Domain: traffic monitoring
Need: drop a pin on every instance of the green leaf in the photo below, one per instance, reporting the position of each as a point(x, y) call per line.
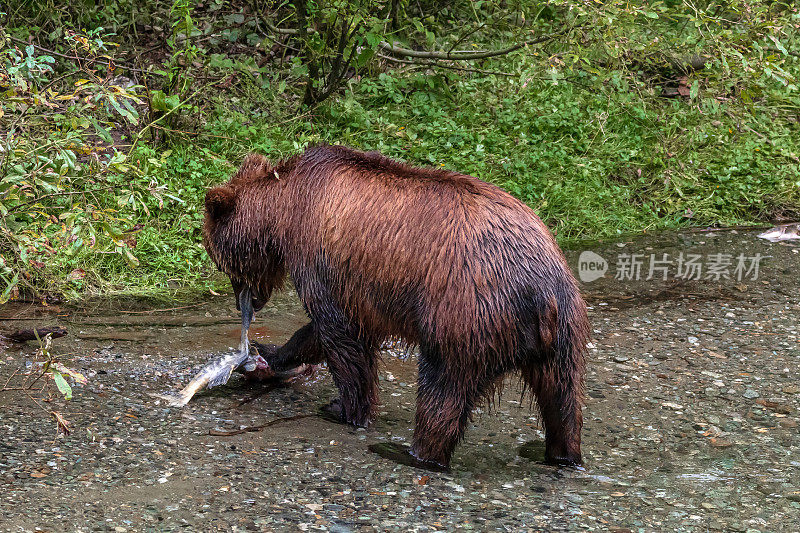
point(373, 39)
point(102, 132)
point(112, 232)
point(7, 292)
point(694, 90)
point(172, 101)
point(61, 383)
point(129, 257)
point(779, 45)
point(157, 101)
point(132, 115)
point(121, 110)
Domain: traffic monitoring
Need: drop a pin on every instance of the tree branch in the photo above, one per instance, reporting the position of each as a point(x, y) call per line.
point(463, 55)
point(434, 64)
point(454, 55)
point(285, 31)
point(71, 193)
point(109, 62)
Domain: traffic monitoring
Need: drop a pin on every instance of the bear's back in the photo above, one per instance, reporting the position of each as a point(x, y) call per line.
point(406, 238)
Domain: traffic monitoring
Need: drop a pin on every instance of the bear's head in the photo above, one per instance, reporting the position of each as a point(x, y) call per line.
point(237, 233)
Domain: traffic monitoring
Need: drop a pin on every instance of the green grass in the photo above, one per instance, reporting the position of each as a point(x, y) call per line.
point(592, 164)
point(589, 142)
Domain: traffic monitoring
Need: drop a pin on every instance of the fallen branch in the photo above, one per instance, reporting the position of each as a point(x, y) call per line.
point(454, 55)
point(150, 311)
point(250, 429)
point(24, 335)
point(284, 31)
point(464, 55)
point(434, 64)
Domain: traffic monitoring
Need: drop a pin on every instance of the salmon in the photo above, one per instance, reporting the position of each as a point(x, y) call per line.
point(218, 371)
point(786, 232)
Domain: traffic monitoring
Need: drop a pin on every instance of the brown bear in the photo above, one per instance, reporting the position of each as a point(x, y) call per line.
point(449, 263)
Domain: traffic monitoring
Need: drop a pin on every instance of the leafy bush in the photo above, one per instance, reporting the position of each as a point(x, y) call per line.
point(605, 117)
point(67, 186)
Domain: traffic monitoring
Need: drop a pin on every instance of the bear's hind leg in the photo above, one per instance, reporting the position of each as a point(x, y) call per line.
point(558, 395)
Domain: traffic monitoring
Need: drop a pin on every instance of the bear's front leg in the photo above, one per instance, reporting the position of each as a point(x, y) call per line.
point(302, 348)
point(296, 357)
point(352, 355)
point(353, 364)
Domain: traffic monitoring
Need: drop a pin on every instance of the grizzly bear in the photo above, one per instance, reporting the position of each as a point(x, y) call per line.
point(451, 264)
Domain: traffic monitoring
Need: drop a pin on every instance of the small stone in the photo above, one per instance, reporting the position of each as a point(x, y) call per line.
point(750, 394)
point(575, 498)
point(334, 507)
point(794, 495)
point(791, 389)
point(720, 442)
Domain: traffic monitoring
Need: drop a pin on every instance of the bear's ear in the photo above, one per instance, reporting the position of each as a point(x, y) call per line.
point(220, 201)
point(254, 166)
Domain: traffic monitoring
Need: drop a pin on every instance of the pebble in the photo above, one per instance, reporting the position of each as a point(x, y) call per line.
point(707, 439)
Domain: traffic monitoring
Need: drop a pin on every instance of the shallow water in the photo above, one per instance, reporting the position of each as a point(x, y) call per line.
point(690, 424)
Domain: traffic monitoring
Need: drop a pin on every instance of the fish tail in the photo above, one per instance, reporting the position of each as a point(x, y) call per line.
point(174, 399)
point(182, 397)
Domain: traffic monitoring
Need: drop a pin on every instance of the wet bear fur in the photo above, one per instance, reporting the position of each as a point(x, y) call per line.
point(449, 263)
